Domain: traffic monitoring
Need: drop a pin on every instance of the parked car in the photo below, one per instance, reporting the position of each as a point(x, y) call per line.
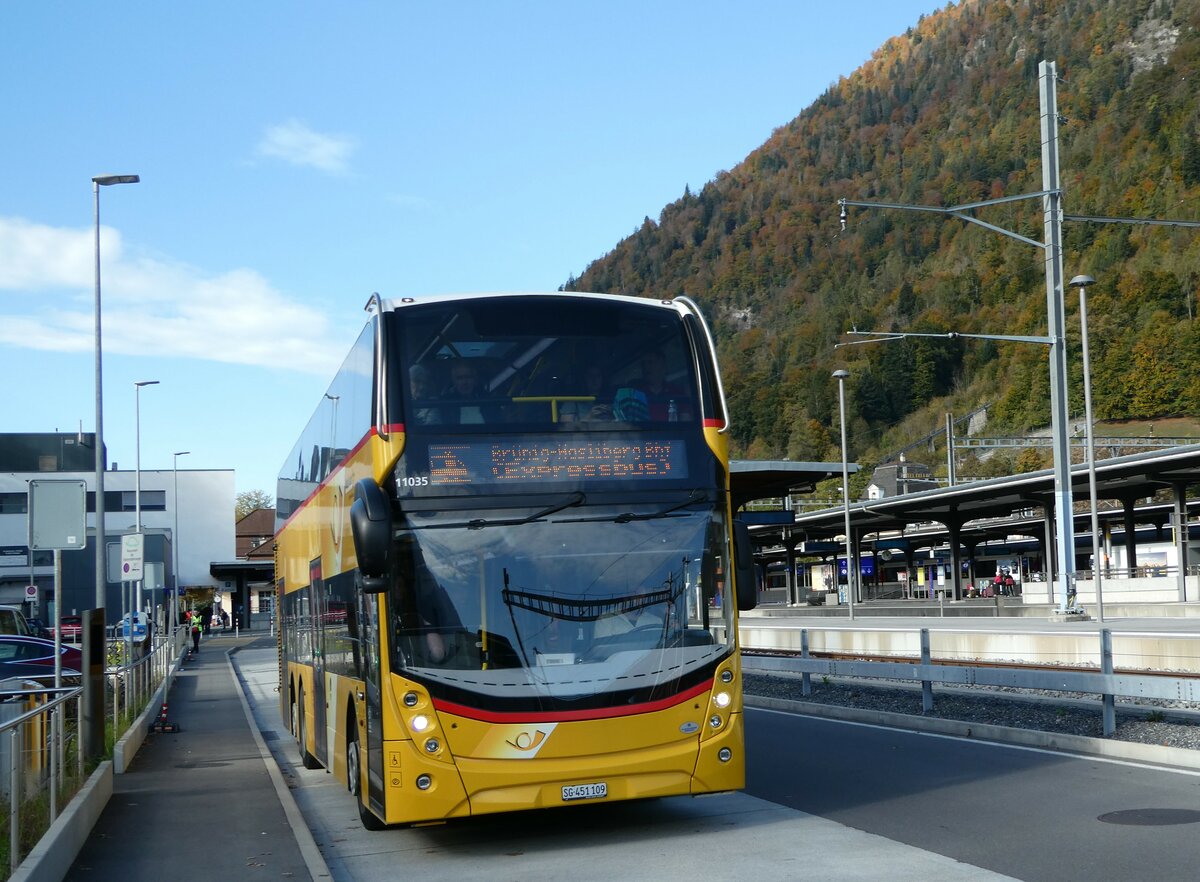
point(72, 629)
point(32, 658)
point(12, 621)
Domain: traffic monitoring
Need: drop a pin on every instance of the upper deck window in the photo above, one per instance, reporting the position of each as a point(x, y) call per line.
point(534, 362)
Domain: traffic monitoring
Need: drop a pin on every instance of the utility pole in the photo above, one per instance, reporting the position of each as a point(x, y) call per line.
point(1064, 505)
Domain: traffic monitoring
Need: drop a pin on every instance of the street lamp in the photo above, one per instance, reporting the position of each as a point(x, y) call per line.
point(137, 477)
point(1082, 283)
point(840, 376)
point(175, 542)
point(92, 724)
point(101, 566)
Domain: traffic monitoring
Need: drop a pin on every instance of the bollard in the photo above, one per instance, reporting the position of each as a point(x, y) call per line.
point(806, 677)
point(926, 685)
point(1108, 700)
point(162, 724)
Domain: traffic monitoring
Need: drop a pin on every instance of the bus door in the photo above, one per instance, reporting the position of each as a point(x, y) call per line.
point(368, 616)
point(319, 612)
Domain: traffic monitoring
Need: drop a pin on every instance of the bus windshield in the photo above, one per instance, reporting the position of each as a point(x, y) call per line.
point(561, 606)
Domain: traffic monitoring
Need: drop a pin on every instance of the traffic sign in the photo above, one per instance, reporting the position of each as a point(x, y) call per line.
point(57, 515)
point(132, 545)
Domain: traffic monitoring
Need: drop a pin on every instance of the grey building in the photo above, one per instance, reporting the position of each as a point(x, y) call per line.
point(898, 478)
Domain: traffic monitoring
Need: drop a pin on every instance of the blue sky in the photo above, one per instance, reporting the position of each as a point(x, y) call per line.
point(296, 157)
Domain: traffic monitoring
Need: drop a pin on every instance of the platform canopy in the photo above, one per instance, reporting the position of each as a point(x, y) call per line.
point(773, 479)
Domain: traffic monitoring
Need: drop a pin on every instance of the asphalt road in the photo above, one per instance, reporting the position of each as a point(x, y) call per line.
point(1029, 814)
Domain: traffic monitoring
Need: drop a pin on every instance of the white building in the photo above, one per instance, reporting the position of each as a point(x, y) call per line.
point(186, 515)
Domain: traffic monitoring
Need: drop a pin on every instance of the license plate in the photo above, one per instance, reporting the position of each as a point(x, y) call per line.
point(584, 791)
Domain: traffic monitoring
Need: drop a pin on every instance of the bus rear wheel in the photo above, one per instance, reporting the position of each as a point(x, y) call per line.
point(354, 782)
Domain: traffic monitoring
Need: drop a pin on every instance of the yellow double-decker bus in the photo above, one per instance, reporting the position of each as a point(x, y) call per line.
point(506, 560)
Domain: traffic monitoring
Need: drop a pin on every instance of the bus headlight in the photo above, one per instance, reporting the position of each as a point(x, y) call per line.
point(410, 699)
point(424, 782)
point(727, 676)
point(432, 745)
point(420, 723)
point(722, 699)
point(724, 754)
point(715, 721)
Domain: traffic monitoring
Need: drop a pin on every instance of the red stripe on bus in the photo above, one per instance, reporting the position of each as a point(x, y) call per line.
point(713, 424)
point(392, 427)
point(599, 713)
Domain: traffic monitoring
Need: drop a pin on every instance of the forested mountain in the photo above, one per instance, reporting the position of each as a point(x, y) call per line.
point(943, 115)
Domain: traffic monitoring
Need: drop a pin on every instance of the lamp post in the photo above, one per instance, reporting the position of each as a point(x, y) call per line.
point(93, 700)
point(840, 376)
point(175, 542)
point(101, 567)
point(1082, 283)
point(137, 477)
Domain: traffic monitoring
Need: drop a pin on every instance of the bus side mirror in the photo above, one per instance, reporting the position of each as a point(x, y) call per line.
point(371, 527)
point(743, 556)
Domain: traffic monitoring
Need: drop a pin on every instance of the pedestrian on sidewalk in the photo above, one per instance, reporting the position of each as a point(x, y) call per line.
point(195, 633)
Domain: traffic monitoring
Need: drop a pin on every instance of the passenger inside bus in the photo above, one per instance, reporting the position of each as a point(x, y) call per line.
point(594, 386)
point(422, 387)
point(652, 397)
point(466, 395)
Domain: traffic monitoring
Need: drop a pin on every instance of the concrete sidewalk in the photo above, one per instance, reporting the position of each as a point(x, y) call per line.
point(204, 803)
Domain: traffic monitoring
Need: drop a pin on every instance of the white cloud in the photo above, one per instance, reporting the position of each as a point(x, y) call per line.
point(296, 143)
point(151, 307)
point(34, 255)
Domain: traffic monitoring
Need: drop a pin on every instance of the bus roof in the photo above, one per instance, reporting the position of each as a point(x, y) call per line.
point(402, 302)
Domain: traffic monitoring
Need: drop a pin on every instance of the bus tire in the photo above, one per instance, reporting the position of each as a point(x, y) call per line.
point(354, 781)
point(306, 759)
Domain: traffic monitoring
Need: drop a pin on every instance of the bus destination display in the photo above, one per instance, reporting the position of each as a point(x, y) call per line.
point(551, 460)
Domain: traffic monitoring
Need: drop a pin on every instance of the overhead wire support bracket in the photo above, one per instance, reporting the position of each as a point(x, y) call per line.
point(957, 211)
point(887, 336)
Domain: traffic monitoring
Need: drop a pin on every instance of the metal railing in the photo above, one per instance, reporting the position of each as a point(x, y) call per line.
point(1096, 674)
point(133, 680)
point(40, 745)
point(36, 745)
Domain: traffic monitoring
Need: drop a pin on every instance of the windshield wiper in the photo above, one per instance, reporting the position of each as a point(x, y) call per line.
point(576, 498)
point(695, 496)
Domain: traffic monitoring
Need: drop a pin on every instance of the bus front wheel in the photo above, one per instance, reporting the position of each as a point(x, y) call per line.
point(354, 781)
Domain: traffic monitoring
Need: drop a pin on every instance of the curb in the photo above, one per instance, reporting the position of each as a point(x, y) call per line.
point(318, 869)
point(1154, 754)
point(52, 857)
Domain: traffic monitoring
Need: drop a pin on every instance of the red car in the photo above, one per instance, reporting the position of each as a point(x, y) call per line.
point(32, 658)
point(72, 629)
